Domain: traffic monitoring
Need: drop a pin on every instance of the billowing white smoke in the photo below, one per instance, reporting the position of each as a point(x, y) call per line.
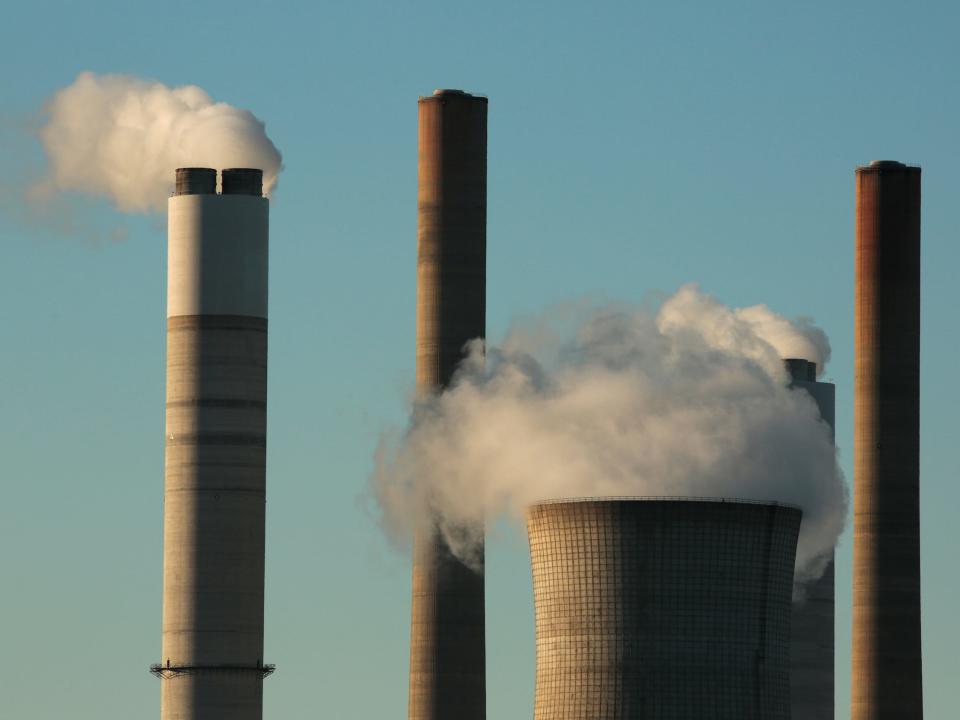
point(689, 400)
point(122, 137)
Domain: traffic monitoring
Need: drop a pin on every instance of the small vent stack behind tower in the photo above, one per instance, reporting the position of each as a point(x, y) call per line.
point(812, 647)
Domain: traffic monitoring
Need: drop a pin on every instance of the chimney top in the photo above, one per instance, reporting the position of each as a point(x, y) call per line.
point(801, 370)
point(887, 166)
point(241, 181)
point(196, 181)
point(443, 94)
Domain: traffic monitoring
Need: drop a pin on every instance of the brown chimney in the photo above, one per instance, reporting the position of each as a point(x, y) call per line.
point(887, 674)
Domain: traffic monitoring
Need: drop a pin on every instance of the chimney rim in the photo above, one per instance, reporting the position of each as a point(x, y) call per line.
point(442, 94)
point(195, 181)
point(808, 368)
point(888, 166)
point(241, 181)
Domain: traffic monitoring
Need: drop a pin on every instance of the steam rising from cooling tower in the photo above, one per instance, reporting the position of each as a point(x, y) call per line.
point(691, 399)
point(122, 137)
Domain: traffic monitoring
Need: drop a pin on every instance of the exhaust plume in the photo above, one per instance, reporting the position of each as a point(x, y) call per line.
point(690, 399)
point(122, 137)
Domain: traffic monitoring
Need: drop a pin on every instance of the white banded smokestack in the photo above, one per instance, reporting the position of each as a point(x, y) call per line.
point(213, 563)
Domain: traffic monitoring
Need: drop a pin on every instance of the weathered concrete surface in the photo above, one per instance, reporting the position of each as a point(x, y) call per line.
point(447, 641)
point(812, 651)
point(887, 674)
point(226, 272)
point(656, 608)
point(215, 462)
point(212, 695)
point(813, 626)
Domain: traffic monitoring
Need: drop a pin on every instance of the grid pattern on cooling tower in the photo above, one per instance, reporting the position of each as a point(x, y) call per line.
point(662, 609)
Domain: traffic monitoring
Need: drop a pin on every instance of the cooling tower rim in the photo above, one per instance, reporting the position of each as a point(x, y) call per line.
point(664, 498)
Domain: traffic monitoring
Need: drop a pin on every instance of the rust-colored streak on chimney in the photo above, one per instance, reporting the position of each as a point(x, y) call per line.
point(887, 674)
point(447, 645)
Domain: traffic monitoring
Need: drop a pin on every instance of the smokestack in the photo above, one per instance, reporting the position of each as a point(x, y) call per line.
point(887, 673)
point(662, 607)
point(196, 181)
point(812, 628)
point(447, 644)
point(213, 528)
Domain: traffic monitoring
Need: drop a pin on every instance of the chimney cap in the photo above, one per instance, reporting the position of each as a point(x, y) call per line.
point(801, 369)
point(195, 181)
point(452, 94)
point(887, 165)
point(241, 181)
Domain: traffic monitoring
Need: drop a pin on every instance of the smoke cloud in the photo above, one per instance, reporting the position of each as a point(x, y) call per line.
point(687, 399)
point(122, 137)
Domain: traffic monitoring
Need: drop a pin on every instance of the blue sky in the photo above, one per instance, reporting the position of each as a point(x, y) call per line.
point(633, 147)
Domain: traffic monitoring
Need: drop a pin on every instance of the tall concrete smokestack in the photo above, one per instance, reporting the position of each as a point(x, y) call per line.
point(887, 674)
point(447, 642)
point(812, 629)
point(213, 527)
point(662, 608)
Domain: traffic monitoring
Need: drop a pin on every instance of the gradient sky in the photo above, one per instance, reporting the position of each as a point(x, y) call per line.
point(633, 147)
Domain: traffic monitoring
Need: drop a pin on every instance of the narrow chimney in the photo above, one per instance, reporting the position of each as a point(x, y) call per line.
point(196, 181)
point(242, 181)
point(887, 674)
point(812, 645)
point(447, 640)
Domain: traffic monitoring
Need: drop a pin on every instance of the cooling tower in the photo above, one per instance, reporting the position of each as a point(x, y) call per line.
point(213, 528)
point(887, 674)
point(812, 630)
point(665, 608)
point(447, 645)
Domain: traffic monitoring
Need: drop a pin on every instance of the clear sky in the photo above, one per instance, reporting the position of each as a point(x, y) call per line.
point(633, 147)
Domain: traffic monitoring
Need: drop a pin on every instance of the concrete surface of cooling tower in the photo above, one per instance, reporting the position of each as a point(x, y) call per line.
point(662, 608)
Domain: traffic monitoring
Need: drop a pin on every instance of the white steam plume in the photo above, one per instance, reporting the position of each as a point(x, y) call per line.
point(122, 137)
point(749, 331)
point(690, 400)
